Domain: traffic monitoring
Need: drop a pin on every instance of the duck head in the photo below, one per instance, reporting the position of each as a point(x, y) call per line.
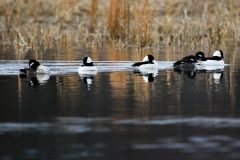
point(87, 61)
point(200, 56)
point(148, 58)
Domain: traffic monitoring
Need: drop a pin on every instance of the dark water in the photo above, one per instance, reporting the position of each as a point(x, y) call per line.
point(120, 115)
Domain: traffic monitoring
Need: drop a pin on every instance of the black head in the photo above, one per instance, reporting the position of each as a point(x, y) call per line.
point(87, 61)
point(33, 64)
point(200, 56)
point(150, 58)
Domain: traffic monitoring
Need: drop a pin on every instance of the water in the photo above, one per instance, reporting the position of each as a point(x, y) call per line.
point(120, 115)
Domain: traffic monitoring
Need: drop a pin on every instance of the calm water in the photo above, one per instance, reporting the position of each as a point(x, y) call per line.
point(120, 115)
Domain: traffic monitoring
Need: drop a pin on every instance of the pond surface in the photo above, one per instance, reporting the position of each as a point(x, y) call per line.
point(119, 114)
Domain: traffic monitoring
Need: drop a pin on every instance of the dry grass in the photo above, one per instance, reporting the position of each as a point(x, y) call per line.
point(44, 24)
point(142, 23)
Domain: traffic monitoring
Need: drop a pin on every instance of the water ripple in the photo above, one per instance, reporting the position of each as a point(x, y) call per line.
point(217, 122)
point(11, 67)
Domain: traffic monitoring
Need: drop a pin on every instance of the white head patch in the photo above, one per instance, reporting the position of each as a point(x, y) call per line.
point(89, 60)
point(145, 59)
point(217, 54)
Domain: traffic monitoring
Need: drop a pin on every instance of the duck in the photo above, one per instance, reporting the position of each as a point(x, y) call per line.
point(185, 64)
point(34, 67)
point(87, 67)
point(216, 60)
point(148, 63)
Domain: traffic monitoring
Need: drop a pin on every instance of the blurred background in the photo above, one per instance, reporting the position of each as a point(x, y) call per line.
point(41, 26)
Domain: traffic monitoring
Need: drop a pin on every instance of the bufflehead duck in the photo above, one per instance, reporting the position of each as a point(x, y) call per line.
point(87, 67)
point(34, 67)
point(186, 60)
point(216, 60)
point(185, 64)
point(148, 63)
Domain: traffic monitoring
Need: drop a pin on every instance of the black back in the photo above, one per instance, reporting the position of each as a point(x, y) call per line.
point(186, 60)
point(141, 63)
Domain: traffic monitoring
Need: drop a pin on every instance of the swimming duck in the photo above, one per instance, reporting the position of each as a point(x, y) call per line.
point(148, 63)
point(87, 67)
point(216, 60)
point(34, 67)
point(186, 63)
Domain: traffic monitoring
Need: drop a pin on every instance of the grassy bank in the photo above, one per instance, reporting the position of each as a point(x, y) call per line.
point(44, 24)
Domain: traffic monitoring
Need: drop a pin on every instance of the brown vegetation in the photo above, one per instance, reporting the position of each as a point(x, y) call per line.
point(44, 24)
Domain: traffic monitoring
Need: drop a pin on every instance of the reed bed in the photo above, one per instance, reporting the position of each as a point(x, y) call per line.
point(43, 24)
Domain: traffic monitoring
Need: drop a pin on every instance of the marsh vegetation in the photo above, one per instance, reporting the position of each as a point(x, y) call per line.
point(43, 24)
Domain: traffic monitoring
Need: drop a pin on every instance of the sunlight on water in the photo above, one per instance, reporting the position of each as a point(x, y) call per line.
point(77, 125)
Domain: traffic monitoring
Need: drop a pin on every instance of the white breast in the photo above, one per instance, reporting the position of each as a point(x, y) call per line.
point(43, 78)
point(43, 69)
point(87, 70)
point(212, 63)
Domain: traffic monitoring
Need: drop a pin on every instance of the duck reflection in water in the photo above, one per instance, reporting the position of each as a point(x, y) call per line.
point(35, 80)
point(148, 75)
point(87, 79)
point(215, 74)
point(39, 79)
point(190, 70)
